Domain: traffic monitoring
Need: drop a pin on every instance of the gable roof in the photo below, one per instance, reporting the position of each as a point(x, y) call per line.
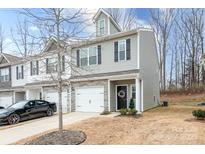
point(109, 16)
point(10, 58)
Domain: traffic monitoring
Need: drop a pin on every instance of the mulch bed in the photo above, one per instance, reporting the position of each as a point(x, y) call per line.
point(67, 137)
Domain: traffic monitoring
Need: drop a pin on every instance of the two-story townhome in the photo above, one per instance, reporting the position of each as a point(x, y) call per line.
point(106, 72)
point(6, 90)
point(33, 77)
point(115, 67)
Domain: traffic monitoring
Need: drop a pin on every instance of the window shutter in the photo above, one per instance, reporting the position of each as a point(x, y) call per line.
point(37, 67)
point(78, 58)
point(22, 72)
point(9, 73)
point(63, 63)
point(17, 71)
point(116, 51)
point(99, 55)
point(31, 68)
point(128, 53)
point(46, 65)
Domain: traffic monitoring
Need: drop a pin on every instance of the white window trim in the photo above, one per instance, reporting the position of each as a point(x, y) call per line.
point(119, 50)
point(88, 56)
point(19, 73)
point(131, 90)
point(99, 27)
point(35, 61)
point(4, 76)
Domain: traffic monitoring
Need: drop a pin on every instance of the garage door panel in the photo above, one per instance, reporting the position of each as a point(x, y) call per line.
point(90, 99)
point(5, 101)
point(53, 97)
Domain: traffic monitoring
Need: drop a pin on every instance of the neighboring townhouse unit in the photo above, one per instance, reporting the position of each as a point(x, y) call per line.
point(115, 67)
point(6, 89)
point(106, 71)
point(33, 77)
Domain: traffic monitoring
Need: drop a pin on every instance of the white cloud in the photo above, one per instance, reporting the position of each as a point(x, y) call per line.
point(143, 23)
point(33, 28)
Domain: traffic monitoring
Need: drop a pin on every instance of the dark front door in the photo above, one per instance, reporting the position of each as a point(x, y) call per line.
point(121, 97)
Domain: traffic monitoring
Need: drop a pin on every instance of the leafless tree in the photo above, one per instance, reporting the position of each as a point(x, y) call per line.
point(2, 39)
point(191, 25)
point(25, 42)
point(162, 21)
point(65, 25)
point(126, 18)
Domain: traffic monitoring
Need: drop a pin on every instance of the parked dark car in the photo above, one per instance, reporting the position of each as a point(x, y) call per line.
point(1, 107)
point(25, 110)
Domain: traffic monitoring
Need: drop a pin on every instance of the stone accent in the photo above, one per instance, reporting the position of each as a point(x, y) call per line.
point(89, 84)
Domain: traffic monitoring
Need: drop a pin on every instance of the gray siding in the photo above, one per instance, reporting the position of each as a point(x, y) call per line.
point(149, 69)
point(108, 64)
point(113, 29)
point(87, 84)
point(100, 17)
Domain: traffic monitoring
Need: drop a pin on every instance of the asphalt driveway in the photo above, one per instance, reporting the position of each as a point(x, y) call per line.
point(9, 135)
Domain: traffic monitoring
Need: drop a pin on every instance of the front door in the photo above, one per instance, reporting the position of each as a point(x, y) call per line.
point(121, 97)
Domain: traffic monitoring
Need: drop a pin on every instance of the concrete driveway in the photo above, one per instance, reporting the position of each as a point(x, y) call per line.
point(27, 129)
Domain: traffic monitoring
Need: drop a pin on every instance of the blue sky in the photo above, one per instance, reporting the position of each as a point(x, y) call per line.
point(9, 17)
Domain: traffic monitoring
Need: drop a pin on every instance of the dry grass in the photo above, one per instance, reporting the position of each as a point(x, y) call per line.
point(162, 125)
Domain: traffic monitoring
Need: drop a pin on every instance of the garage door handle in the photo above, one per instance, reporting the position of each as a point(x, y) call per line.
point(78, 106)
point(101, 106)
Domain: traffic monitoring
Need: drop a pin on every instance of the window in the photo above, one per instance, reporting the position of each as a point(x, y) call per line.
point(101, 27)
point(122, 50)
point(93, 56)
point(52, 65)
point(39, 103)
point(84, 57)
point(19, 72)
point(4, 74)
point(133, 91)
point(34, 68)
point(88, 56)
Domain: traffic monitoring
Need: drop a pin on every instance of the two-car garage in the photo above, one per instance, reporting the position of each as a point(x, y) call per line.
point(90, 99)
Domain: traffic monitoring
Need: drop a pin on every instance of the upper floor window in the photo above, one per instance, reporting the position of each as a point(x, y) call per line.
point(4, 74)
point(88, 56)
point(19, 72)
point(52, 65)
point(122, 50)
point(34, 68)
point(101, 27)
point(84, 57)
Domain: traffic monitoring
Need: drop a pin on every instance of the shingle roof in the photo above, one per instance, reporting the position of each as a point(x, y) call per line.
point(11, 58)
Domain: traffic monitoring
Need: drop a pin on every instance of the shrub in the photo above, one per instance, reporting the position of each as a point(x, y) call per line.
point(199, 114)
point(133, 111)
point(123, 111)
point(132, 103)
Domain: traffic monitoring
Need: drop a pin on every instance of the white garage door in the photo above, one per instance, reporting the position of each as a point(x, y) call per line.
point(90, 99)
point(5, 101)
point(53, 97)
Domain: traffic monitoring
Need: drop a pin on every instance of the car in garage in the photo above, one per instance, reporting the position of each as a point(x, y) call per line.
point(25, 110)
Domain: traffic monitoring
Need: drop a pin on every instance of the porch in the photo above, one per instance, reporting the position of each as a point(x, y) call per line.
point(121, 91)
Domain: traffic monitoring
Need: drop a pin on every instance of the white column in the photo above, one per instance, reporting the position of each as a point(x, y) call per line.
point(138, 95)
point(108, 94)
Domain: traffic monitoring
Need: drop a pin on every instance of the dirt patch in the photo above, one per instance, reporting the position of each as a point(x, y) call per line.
point(55, 138)
point(162, 125)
